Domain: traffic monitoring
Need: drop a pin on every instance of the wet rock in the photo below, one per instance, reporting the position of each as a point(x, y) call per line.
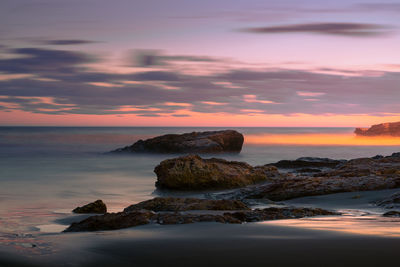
point(307, 162)
point(195, 142)
point(390, 128)
point(362, 174)
point(194, 173)
point(95, 207)
point(112, 221)
point(120, 220)
point(392, 214)
point(393, 201)
point(183, 204)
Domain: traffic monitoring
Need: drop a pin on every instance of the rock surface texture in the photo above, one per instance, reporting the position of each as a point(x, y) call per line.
point(183, 204)
point(131, 217)
point(195, 142)
point(194, 173)
point(361, 174)
point(95, 207)
point(390, 128)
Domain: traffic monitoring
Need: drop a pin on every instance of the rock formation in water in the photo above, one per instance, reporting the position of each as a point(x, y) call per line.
point(95, 207)
point(194, 173)
point(195, 142)
point(133, 217)
point(388, 129)
point(361, 174)
point(183, 204)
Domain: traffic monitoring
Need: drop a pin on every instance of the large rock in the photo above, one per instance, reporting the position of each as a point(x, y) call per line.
point(95, 207)
point(195, 142)
point(182, 204)
point(389, 128)
point(362, 174)
point(194, 173)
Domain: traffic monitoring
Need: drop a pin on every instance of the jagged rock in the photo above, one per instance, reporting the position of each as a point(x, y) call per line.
point(195, 142)
point(95, 207)
point(112, 221)
point(392, 213)
point(182, 204)
point(389, 128)
point(194, 173)
point(393, 201)
point(307, 162)
point(362, 174)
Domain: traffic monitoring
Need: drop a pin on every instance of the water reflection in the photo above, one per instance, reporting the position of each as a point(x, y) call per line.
point(362, 225)
point(343, 139)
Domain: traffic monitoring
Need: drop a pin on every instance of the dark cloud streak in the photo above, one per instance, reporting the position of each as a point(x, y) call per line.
point(343, 29)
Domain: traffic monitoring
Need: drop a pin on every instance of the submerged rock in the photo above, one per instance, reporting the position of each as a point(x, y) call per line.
point(95, 207)
point(307, 162)
point(195, 142)
point(392, 213)
point(182, 204)
point(393, 201)
point(125, 219)
point(390, 128)
point(194, 173)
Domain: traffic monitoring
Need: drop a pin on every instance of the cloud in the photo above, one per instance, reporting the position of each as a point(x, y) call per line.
point(336, 28)
point(149, 58)
point(55, 82)
point(68, 42)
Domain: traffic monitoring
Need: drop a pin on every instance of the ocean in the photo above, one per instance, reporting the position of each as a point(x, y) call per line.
point(45, 172)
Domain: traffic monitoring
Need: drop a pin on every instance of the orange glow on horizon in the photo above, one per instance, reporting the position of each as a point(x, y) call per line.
point(321, 139)
point(186, 117)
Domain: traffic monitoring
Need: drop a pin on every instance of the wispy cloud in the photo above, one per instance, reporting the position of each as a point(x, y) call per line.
point(335, 28)
point(67, 42)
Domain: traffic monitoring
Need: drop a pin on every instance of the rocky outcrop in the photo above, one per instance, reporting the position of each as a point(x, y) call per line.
point(195, 142)
point(184, 204)
point(308, 162)
point(95, 207)
point(390, 129)
point(125, 219)
point(391, 202)
point(194, 173)
point(362, 174)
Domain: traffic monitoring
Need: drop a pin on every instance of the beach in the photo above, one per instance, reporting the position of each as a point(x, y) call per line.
point(46, 172)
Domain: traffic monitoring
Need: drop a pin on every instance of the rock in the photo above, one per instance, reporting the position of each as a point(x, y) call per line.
point(195, 142)
point(362, 174)
point(393, 201)
point(194, 173)
point(308, 170)
point(120, 220)
point(111, 221)
point(307, 162)
point(183, 204)
point(392, 213)
point(390, 128)
point(95, 207)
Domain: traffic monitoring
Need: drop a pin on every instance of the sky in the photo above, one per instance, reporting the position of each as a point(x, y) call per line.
point(199, 63)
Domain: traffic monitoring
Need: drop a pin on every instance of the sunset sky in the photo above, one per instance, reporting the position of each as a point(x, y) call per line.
point(199, 63)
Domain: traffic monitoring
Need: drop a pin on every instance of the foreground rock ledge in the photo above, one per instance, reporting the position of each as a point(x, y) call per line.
point(194, 173)
point(120, 220)
point(195, 142)
point(363, 174)
point(390, 128)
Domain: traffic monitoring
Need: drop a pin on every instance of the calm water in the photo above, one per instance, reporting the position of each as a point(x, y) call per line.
point(47, 171)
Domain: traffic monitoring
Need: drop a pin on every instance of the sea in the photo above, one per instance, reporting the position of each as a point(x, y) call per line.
point(45, 172)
